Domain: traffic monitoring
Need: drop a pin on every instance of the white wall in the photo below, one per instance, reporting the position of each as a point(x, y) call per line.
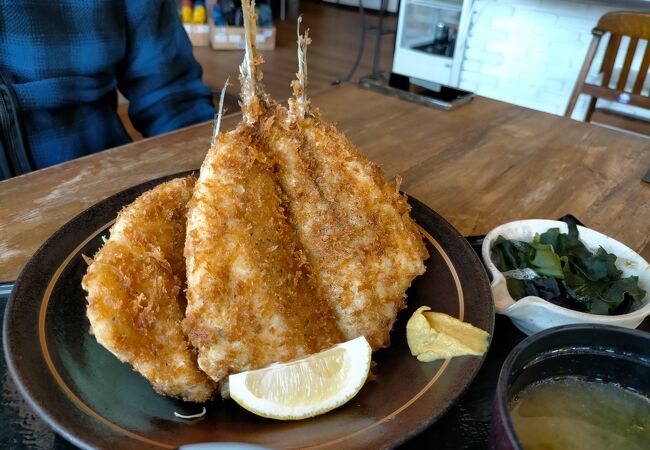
point(529, 52)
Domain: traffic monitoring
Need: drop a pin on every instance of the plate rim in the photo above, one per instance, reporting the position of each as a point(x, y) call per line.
point(75, 437)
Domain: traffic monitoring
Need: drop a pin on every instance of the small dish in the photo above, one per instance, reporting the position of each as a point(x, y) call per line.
point(532, 314)
point(601, 353)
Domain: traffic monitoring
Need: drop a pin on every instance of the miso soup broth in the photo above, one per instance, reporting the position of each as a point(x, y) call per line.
point(571, 413)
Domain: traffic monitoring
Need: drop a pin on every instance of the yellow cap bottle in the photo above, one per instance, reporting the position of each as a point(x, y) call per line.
point(198, 15)
point(186, 11)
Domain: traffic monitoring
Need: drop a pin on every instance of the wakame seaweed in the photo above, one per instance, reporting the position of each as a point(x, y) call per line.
point(559, 268)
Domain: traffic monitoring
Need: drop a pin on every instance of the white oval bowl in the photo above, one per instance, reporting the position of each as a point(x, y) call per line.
point(532, 314)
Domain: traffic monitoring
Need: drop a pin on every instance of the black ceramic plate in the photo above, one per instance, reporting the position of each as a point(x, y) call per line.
point(93, 400)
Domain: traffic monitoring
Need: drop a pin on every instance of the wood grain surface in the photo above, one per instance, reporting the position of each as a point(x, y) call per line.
point(335, 33)
point(479, 166)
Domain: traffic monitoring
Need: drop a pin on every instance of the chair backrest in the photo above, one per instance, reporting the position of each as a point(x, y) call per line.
point(635, 26)
point(14, 157)
point(626, 23)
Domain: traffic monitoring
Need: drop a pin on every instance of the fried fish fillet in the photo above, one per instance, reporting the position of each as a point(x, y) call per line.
point(251, 301)
point(378, 249)
point(135, 295)
point(362, 246)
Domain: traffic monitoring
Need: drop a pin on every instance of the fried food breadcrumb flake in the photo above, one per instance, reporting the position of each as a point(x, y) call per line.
point(291, 242)
point(135, 291)
point(251, 301)
point(362, 246)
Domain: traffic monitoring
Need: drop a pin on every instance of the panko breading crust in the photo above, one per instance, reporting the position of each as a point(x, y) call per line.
point(135, 291)
point(250, 299)
point(355, 228)
point(293, 242)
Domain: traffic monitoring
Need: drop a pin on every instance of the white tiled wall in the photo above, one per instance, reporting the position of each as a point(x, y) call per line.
point(529, 52)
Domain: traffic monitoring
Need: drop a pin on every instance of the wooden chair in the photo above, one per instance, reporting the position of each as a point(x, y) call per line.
point(636, 26)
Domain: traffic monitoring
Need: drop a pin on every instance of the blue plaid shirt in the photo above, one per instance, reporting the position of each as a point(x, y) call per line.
point(69, 57)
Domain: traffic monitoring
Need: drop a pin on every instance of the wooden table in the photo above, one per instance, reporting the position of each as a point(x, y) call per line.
point(479, 166)
point(485, 164)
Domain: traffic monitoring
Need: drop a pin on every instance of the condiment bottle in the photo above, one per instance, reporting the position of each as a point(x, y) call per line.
point(186, 11)
point(199, 14)
point(218, 17)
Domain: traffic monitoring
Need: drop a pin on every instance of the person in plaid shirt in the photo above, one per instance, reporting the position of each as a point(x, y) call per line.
point(66, 59)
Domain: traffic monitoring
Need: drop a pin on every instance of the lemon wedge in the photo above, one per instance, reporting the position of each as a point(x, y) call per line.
point(305, 387)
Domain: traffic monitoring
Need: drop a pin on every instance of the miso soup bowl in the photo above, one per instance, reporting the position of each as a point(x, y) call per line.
point(601, 353)
point(532, 314)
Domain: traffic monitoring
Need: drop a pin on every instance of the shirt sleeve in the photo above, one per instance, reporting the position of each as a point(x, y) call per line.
point(159, 74)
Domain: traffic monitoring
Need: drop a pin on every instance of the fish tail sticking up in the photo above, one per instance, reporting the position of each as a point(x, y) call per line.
point(253, 99)
point(219, 114)
point(299, 105)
